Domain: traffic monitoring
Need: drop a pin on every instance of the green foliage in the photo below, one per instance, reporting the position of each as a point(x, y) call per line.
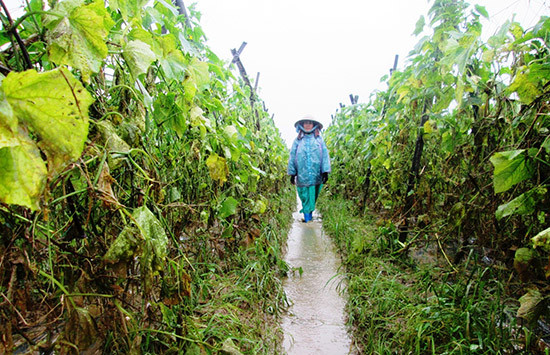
point(76, 35)
point(524, 204)
point(511, 167)
point(134, 182)
point(139, 56)
point(454, 98)
point(456, 148)
point(396, 305)
point(228, 207)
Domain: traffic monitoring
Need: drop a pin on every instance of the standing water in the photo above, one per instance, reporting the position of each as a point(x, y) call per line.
point(315, 323)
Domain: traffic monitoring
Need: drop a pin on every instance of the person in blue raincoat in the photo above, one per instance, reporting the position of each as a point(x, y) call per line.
point(309, 164)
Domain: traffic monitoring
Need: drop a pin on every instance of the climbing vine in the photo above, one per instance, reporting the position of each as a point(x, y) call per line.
point(457, 147)
point(132, 177)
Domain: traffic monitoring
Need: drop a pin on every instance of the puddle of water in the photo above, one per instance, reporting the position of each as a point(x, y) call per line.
point(315, 323)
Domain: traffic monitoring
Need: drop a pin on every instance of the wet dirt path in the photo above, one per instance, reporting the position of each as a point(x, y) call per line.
point(315, 322)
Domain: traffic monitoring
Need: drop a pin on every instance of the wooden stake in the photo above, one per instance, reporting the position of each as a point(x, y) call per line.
point(237, 60)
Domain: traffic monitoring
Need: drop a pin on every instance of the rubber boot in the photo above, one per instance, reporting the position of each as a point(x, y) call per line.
point(307, 217)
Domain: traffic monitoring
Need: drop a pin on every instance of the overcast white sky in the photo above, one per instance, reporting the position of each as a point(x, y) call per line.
point(311, 54)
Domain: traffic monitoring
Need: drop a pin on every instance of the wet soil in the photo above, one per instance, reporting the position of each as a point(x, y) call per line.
point(315, 322)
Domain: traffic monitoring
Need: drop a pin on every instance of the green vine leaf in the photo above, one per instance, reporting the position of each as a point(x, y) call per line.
point(419, 27)
point(78, 37)
point(128, 8)
point(546, 144)
point(172, 60)
point(139, 56)
point(168, 111)
point(197, 78)
point(523, 204)
point(228, 207)
point(482, 11)
point(511, 167)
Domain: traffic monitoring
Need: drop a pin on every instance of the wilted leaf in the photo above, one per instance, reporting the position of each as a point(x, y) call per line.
point(22, 174)
point(228, 347)
point(80, 330)
point(104, 185)
point(511, 167)
point(524, 255)
point(155, 237)
point(217, 167)
point(145, 238)
point(8, 123)
point(523, 263)
point(526, 88)
point(531, 306)
point(542, 239)
point(112, 141)
point(125, 246)
point(55, 105)
point(78, 38)
point(259, 206)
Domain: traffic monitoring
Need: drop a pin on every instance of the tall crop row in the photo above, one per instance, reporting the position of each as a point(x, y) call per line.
point(457, 149)
point(133, 178)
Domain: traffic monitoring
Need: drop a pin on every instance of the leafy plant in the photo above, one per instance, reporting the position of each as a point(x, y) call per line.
point(456, 148)
point(134, 183)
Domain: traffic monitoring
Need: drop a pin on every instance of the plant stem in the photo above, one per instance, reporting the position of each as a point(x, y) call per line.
point(13, 31)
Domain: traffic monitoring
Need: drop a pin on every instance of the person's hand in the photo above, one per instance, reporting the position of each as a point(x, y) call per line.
point(324, 177)
point(293, 179)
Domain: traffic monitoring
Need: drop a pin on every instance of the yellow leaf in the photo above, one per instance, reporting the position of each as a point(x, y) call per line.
point(429, 126)
point(217, 167)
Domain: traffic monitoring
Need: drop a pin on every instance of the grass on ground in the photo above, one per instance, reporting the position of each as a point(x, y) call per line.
point(415, 302)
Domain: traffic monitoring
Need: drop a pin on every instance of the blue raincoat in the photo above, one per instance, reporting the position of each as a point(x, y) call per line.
point(309, 158)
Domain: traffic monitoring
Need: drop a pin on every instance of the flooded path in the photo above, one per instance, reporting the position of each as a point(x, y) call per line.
point(315, 323)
